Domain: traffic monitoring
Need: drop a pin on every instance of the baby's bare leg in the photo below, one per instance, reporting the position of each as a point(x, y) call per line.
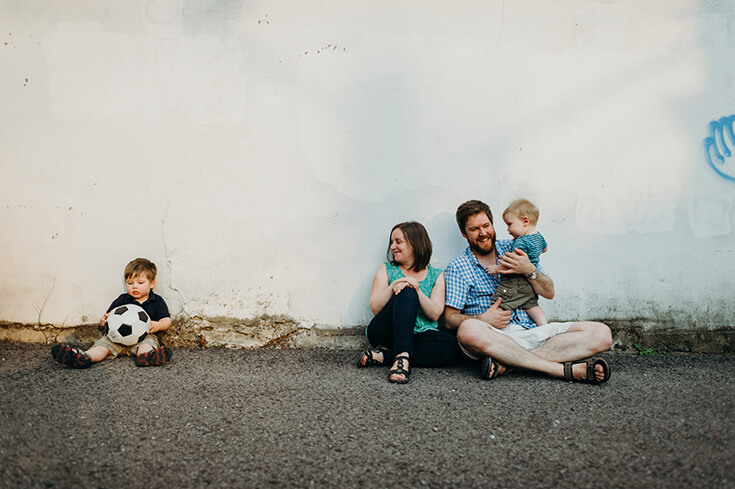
point(538, 316)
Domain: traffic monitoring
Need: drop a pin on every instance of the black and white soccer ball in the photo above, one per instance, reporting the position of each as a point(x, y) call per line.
point(128, 324)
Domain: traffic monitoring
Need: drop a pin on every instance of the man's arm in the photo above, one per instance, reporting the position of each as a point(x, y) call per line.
point(495, 316)
point(453, 318)
point(518, 262)
point(543, 286)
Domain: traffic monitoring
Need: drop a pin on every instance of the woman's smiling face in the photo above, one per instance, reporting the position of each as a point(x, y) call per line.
point(401, 248)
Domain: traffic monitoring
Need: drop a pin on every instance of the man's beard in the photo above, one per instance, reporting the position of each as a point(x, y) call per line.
point(480, 251)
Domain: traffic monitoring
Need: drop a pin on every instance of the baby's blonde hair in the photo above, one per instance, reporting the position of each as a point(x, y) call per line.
point(523, 208)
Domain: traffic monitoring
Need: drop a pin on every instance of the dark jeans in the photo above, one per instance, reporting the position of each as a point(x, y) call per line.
point(393, 328)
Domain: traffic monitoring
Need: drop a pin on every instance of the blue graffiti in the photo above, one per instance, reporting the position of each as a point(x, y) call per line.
point(716, 145)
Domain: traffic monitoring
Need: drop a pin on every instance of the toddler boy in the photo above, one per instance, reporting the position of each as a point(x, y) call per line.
point(521, 217)
point(140, 277)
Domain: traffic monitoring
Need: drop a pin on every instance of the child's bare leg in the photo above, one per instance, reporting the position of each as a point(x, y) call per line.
point(98, 353)
point(538, 316)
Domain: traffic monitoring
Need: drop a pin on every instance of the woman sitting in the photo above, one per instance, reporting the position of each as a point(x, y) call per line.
point(407, 299)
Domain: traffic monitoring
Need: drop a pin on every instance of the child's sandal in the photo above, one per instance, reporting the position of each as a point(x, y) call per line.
point(154, 358)
point(72, 357)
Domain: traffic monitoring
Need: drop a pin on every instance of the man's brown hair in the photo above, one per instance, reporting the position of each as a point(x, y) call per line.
point(141, 266)
point(470, 208)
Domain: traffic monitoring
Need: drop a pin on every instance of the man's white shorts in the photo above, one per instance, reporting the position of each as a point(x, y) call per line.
point(527, 338)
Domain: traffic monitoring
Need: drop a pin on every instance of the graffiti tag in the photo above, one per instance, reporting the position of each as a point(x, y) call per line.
point(716, 145)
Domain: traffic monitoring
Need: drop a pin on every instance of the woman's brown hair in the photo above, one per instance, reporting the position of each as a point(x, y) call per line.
point(416, 234)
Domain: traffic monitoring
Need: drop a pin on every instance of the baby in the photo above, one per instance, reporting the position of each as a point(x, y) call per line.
point(515, 290)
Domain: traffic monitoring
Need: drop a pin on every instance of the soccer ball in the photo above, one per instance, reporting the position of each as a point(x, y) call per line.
point(128, 324)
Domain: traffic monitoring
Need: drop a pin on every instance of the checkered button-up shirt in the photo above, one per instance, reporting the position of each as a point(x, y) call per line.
point(470, 288)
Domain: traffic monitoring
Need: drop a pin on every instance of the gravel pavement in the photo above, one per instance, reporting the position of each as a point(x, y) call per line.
point(311, 418)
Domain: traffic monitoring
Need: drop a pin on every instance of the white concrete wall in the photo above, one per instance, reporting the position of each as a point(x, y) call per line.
point(259, 152)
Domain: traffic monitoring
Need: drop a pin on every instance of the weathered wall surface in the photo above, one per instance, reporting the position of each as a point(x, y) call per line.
point(259, 153)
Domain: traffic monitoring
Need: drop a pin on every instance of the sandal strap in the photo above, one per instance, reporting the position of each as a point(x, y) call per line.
point(400, 369)
point(591, 377)
point(568, 372)
point(370, 360)
point(590, 372)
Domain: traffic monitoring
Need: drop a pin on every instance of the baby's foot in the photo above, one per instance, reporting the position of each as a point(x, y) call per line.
point(70, 356)
point(154, 358)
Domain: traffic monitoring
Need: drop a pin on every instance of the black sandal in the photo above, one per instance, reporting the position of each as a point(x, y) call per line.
point(367, 360)
point(590, 374)
point(66, 355)
point(488, 365)
point(401, 370)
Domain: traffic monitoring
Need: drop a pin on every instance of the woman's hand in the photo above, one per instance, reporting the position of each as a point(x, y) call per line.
point(412, 282)
point(399, 284)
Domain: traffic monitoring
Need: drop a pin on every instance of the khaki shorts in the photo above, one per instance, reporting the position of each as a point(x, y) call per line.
point(117, 349)
point(516, 292)
point(527, 338)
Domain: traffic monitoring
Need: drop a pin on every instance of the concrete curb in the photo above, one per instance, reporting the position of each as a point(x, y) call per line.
point(279, 332)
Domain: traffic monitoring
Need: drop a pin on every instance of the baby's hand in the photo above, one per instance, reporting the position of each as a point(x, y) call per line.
point(104, 319)
point(492, 270)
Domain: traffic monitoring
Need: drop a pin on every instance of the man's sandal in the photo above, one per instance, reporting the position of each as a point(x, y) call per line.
point(591, 374)
point(400, 370)
point(72, 357)
point(489, 368)
point(367, 360)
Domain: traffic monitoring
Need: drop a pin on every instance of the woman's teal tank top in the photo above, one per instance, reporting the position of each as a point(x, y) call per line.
point(426, 285)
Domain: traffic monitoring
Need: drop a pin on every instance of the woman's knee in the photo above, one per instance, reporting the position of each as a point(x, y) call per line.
point(407, 296)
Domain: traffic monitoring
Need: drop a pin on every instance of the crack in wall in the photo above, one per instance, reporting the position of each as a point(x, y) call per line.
point(169, 264)
point(40, 309)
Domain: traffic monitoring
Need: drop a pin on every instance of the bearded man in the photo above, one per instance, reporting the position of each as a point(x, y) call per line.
point(501, 339)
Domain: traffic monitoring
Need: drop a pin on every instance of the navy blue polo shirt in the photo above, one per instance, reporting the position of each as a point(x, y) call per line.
point(155, 306)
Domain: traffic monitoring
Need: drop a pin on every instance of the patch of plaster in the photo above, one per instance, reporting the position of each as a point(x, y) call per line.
point(260, 332)
point(49, 333)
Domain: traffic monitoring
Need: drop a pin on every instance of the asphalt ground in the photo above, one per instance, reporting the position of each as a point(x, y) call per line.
point(311, 418)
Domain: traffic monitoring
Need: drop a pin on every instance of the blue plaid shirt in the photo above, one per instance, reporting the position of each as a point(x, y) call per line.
point(470, 288)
